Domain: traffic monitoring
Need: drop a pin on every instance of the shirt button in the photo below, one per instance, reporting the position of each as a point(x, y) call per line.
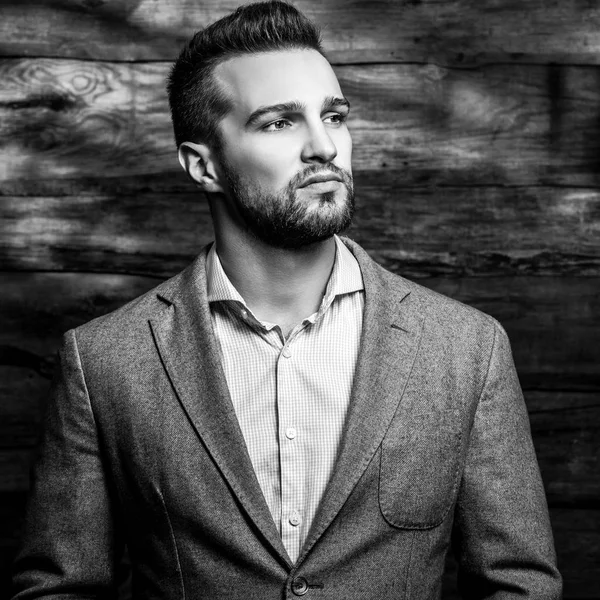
point(244, 314)
point(295, 518)
point(286, 352)
point(299, 586)
point(290, 433)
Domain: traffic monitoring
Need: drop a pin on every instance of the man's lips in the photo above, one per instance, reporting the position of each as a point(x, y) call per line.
point(320, 178)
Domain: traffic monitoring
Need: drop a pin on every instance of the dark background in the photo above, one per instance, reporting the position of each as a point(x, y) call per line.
point(476, 127)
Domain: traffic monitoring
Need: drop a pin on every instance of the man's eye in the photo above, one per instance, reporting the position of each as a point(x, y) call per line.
point(276, 125)
point(336, 118)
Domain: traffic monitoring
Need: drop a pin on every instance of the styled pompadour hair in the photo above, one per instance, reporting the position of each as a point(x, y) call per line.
point(197, 104)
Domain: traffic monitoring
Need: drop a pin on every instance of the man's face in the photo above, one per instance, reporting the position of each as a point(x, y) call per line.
point(285, 149)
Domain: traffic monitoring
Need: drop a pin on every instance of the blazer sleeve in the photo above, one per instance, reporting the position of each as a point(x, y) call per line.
point(69, 546)
point(502, 536)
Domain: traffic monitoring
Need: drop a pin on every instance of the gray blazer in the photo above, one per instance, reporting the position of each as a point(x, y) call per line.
point(142, 447)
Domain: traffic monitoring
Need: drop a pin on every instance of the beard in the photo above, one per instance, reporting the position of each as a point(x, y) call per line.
point(283, 219)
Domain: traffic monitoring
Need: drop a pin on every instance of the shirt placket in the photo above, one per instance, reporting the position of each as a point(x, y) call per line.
point(290, 451)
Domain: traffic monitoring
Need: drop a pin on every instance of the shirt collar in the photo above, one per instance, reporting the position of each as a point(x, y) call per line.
point(345, 277)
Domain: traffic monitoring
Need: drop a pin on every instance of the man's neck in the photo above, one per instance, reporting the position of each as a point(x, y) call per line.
point(279, 286)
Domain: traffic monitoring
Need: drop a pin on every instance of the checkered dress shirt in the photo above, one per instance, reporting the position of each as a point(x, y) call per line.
point(291, 395)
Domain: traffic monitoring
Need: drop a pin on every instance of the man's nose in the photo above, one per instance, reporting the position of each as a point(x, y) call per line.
point(319, 146)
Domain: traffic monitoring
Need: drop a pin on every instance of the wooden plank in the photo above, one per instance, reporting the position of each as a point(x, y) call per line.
point(76, 127)
point(100, 124)
point(423, 231)
point(454, 31)
point(151, 234)
point(552, 321)
point(488, 231)
point(505, 124)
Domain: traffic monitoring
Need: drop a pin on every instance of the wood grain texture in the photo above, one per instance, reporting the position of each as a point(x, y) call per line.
point(416, 231)
point(152, 234)
point(74, 127)
point(65, 121)
point(454, 31)
point(485, 231)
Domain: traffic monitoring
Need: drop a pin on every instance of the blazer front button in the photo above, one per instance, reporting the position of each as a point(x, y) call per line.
point(299, 586)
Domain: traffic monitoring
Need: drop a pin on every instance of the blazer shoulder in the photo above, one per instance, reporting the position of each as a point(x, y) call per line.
point(446, 316)
point(445, 308)
point(126, 324)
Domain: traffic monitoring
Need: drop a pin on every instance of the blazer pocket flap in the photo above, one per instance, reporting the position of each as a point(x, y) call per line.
point(419, 471)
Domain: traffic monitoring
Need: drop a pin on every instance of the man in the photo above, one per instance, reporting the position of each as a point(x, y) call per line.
point(284, 417)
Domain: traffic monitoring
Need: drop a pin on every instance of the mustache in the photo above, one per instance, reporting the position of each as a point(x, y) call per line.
point(311, 170)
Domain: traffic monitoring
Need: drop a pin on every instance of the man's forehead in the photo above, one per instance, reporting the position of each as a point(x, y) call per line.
point(253, 80)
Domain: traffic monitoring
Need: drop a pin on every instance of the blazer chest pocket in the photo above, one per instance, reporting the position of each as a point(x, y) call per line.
point(420, 468)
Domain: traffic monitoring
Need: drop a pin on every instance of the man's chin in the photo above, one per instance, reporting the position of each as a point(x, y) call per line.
point(297, 221)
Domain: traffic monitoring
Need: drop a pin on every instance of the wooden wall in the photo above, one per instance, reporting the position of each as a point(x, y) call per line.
point(476, 128)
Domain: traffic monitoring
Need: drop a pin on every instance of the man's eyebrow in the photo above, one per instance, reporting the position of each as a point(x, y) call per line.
point(294, 106)
point(334, 102)
point(283, 107)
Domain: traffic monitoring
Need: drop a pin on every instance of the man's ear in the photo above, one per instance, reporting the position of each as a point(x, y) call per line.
point(198, 162)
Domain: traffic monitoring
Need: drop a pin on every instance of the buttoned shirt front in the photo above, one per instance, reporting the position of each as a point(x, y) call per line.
point(291, 395)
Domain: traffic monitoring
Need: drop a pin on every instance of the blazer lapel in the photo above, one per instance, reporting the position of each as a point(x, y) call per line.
point(389, 343)
point(190, 354)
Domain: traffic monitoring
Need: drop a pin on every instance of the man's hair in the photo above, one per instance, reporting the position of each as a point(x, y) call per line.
point(197, 104)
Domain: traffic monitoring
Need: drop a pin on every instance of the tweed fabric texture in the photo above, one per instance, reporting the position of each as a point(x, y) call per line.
point(291, 395)
point(142, 447)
